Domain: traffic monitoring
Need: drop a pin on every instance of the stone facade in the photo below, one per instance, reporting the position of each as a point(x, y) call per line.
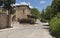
point(3, 20)
point(21, 12)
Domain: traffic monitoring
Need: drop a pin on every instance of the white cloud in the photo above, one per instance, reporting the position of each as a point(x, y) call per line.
point(24, 3)
point(42, 2)
point(30, 6)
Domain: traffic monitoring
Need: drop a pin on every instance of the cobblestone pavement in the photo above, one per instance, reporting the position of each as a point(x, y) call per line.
point(26, 31)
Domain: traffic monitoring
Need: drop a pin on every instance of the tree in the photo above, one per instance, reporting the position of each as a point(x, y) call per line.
point(51, 11)
point(55, 6)
point(1, 2)
point(35, 12)
point(7, 5)
point(42, 14)
point(55, 22)
point(48, 13)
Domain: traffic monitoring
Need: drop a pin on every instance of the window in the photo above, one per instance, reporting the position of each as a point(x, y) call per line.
point(23, 11)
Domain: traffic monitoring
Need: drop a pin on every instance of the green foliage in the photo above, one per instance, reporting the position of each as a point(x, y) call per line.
point(55, 22)
point(47, 13)
point(55, 26)
point(58, 15)
point(55, 6)
point(1, 2)
point(51, 11)
point(43, 16)
point(35, 12)
point(52, 14)
point(9, 1)
point(7, 4)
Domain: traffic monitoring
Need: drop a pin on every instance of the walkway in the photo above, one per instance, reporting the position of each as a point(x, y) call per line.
point(26, 31)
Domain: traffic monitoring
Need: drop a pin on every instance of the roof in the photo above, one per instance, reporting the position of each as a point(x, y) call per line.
point(20, 5)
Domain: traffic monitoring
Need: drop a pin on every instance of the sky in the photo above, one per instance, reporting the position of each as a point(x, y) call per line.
point(39, 4)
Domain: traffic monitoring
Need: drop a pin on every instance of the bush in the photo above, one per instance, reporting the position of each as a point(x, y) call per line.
point(43, 20)
point(55, 27)
point(28, 20)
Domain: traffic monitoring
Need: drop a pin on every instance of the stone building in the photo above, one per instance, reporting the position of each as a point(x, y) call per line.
point(22, 12)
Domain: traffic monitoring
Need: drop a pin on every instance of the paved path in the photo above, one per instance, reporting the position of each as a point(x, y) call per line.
point(26, 31)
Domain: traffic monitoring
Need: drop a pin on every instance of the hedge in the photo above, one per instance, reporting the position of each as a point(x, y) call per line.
point(55, 27)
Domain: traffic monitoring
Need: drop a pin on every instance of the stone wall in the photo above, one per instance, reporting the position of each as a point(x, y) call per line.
point(22, 11)
point(3, 20)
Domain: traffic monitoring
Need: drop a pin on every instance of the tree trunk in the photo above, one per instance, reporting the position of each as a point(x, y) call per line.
point(9, 19)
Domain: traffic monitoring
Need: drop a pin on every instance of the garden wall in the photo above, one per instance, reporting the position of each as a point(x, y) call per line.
point(3, 20)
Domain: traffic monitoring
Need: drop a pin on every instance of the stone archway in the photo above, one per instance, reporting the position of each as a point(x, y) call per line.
point(14, 18)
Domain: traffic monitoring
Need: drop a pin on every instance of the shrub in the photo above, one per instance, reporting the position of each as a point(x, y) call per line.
point(43, 20)
point(55, 27)
point(28, 20)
